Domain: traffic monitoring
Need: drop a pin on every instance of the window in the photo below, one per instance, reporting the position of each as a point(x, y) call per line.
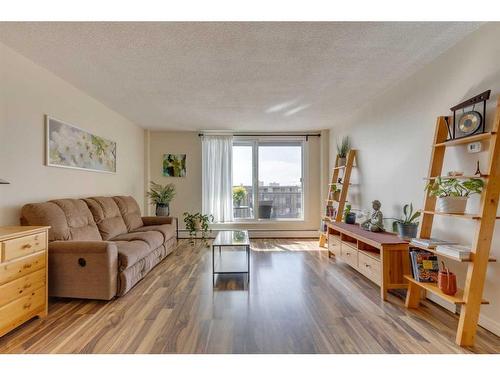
point(267, 180)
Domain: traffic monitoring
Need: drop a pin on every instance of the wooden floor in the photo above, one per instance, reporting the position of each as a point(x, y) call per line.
point(299, 301)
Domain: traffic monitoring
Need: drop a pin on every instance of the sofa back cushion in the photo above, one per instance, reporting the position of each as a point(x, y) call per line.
point(130, 212)
point(107, 216)
point(69, 219)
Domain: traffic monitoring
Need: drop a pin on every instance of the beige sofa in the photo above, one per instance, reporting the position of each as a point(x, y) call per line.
point(100, 247)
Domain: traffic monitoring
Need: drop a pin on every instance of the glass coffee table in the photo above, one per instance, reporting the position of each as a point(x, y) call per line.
point(231, 262)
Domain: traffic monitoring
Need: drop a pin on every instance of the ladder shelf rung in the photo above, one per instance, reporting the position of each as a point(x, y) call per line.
point(457, 299)
point(465, 140)
point(412, 244)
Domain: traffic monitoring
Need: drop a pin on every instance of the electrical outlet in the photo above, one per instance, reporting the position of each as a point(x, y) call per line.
point(474, 147)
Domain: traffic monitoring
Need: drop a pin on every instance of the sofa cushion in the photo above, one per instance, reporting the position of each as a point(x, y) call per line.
point(69, 219)
point(130, 212)
point(130, 252)
point(107, 216)
point(152, 239)
point(168, 231)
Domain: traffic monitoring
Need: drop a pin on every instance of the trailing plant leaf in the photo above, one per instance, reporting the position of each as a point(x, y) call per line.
point(452, 187)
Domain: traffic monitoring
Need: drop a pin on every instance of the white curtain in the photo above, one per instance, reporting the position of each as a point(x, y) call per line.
point(217, 179)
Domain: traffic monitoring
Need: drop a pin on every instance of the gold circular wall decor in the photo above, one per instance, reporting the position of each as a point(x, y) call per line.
point(470, 122)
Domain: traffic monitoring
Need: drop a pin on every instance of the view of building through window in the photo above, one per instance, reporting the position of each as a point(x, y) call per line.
point(277, 180)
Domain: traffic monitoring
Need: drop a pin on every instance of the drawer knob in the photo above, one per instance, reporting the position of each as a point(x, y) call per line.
point(27, 306)
point(27, 246)
point(367, 265)
point(27, 266)
point(82, 262)
point(26, 286)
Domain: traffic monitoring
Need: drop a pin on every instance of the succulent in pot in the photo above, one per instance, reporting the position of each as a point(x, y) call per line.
point(407, 226)
point(342, 150)
point(161, 196)
point(452, 194)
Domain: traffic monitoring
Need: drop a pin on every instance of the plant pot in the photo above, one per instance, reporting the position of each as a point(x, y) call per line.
point(451, 205)
point(237, 203)
point(336, 196)
point(162, 209)
point(407, 231)
point(350, 218)
point(342, 162)
point(447, 282)
point(197, 224)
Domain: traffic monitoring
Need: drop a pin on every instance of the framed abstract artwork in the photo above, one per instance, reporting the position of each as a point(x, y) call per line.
point(70, 147)
point(174, 165)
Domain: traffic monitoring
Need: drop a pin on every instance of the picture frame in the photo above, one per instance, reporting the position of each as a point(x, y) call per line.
point(68, 146)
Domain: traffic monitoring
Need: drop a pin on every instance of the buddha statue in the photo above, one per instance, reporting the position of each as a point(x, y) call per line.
point(375, 221)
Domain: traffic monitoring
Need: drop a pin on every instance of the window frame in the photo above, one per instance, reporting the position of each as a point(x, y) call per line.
point(268, 141)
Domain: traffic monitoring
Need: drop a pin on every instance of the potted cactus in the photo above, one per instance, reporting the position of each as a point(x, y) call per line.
point(452, 193)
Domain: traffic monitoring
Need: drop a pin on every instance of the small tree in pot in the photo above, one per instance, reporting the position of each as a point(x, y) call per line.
point(161, 196)
point(408, 225)
point(452, 194)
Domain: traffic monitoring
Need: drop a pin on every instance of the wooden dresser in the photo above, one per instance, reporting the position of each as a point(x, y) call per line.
point(381, 257)
point(23, 275)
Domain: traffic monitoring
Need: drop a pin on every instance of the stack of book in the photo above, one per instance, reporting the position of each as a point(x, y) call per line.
point(424, 266)
point(459, 252)
point(431, 243)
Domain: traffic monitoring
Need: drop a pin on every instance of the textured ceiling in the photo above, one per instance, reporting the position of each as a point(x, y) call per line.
point(242, 76)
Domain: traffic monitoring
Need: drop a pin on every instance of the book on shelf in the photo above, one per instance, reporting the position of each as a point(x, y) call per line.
point(424, 265)
point(455, 251)
point(431, 243)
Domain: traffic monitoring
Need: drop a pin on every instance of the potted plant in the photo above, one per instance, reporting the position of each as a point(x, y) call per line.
point(452, 194)
point(349, 216)
point(197, 223)
point(161, 196)
point(342, 150)
point(408, 225)
point(335, 193)
point(239, 193)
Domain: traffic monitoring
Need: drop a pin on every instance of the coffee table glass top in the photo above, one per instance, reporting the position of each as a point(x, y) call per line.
point(232, 238)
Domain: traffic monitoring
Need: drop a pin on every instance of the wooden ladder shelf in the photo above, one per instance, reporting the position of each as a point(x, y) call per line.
point(337, 202)
point(470, 299)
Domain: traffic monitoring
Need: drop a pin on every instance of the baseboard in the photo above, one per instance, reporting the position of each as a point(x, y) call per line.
point(263, 233)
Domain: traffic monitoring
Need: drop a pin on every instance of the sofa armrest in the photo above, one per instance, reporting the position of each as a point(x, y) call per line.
point(158, 220)
point(83, 269)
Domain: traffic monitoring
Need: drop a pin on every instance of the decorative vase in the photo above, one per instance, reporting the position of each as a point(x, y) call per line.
point(162, 209)
point(342, 162)
point(350, 218)
point(447, 282)
point(451, 205)
point(407, 231)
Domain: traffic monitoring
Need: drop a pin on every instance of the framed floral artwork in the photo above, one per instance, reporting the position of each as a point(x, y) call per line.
point(174, 165)
point(70, 147)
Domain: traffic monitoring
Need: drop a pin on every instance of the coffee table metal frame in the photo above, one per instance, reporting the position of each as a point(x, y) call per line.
point(247, 249)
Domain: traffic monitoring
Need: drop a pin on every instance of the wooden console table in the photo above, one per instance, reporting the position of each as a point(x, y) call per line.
point(381, 257)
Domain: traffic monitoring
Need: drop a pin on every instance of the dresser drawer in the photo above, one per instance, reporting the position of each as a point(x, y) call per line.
point(334, 244)
point(21, 267)
point(369, 267)
point(20, 310)
point(21, 287)
point(349, 255)
point(22, 246)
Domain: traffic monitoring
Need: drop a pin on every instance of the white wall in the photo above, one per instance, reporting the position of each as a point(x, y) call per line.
point(394, 136)
point(189, 188)
point(27, 93)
